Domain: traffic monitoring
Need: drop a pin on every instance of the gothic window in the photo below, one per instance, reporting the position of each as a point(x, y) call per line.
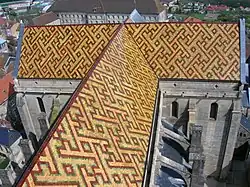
point(175, 107)
point(213, 111)
point(41, 105)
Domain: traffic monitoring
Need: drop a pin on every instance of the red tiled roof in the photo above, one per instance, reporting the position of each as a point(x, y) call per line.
point(217, 8)
point(6, 87)
point(192, 19)
point(2, 21)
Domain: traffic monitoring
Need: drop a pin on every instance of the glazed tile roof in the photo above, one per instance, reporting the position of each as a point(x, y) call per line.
point(190, 50)
point(174, 50)
point(62, 52)
point(101, 137)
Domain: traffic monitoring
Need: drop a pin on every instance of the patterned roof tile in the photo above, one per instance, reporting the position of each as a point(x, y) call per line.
point(190, 50)
point(102, 138)
point(62, 51)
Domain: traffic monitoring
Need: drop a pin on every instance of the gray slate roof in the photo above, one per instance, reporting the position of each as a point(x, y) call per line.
point(8, 136)
point(44, 19)
point(107, 6)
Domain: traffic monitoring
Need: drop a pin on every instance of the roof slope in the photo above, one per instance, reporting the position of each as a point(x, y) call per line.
point(190, 50)
point(8, 136)
point(174, 50)
point(102, 138)
point(108, 6)
point(62, 51)
point(6, 87)
point(44, 19)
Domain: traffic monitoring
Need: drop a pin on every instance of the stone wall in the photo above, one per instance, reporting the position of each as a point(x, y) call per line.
point(3, 109)
point(219, 135)
point(7, 176)
point(29, 92)
point(174, 162)
point(81, 18)
point(27, 148)
point(17, 152)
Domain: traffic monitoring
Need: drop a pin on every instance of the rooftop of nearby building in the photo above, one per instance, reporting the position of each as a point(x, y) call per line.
point(5, 124)
point(192, 19)
point(2, 41)
point(2, 21)
point(107, 6)
point(107, 122)
point(6, 87)
point(8, 136)
point(44, 19)
point(217, 8)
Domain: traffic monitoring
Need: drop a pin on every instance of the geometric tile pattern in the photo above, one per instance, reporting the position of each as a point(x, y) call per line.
point(190, 50)
point(62, 51)
point(102, 138)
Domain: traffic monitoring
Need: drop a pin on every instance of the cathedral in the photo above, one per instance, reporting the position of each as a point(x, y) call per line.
point(131, 104)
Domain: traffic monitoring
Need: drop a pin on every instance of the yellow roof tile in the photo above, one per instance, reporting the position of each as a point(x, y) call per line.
point(102, 138)
point(62, 51)
point(190, 50)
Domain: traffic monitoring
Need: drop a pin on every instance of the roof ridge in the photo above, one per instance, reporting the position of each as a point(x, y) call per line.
point(141, 51)
point(62, 113)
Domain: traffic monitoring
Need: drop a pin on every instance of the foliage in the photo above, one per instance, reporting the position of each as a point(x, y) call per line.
point(12, 13)
point(55, 110)
point(198, 16)
point(4, 162)
point(227, 18)
point(230, 3)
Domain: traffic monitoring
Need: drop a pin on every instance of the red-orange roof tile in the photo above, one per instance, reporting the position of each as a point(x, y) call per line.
point(192, 19)
point(6, 87)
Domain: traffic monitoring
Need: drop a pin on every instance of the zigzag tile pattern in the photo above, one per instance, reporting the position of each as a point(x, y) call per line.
point(102, 139)
point(62, 51)
point(190, 50)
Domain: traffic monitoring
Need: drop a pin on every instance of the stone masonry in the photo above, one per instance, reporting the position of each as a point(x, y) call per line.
point(194, 104)
point(187, 106)
point(35, 118)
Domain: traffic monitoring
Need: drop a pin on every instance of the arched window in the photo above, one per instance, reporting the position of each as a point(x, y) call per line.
point(175, 107)
point(213, 111)
point(41, 105)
